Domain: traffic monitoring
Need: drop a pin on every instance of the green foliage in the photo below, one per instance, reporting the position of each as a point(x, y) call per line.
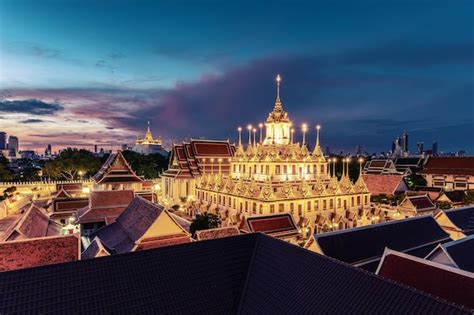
point(415, 180)
point(8, 192)
point(443, 205)
point(468, 197)
point(149, 166)
point(204, 221)
point(387, 200)
point(5, 174)
point(70, 163)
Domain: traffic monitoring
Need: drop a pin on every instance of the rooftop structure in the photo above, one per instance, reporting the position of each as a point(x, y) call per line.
point(142, 225)
point(211, 234)
point(449, 172)
point(364, 246)
point(33, 223)
point(389, 185)
point(457, 222)
point(457, 254)
point(240, 274)
point(40, 251)
point(117, 174)
point(438, 280)
point(414, 205)
point(277, 225)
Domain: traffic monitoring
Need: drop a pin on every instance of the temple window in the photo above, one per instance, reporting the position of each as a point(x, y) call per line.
point(293, 169)
point(338, 202)
point(322, 169)
point(272, 209)
point(285, 169)
point(308, 206)
point(366, 200)
point(267, 169)
point(358, 200)
point(331, 203)
point(324, 204)
point(316, 205)
point(277, 169)
point(281, 207)
point(300, 210)
point(292, 208)
point(254, 208)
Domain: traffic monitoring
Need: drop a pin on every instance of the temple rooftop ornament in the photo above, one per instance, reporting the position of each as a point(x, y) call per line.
point(277, 124)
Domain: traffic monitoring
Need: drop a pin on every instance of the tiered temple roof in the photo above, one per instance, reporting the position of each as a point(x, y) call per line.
point(198, 157)
point(116, 170)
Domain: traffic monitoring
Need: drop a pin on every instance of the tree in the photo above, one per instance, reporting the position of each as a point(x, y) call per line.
point(468, 197)
point(72, 164)
point(204, 221)
point(5, 174)
point(415, 180)
point(149, 166)
point(443, 205)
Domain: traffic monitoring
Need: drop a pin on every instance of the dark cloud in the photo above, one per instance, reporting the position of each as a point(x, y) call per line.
point(30, 106)
point(32, 121)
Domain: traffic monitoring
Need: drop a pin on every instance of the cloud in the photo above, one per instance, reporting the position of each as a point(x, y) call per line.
point(347, 93)
point(32, 121)
point(30, 106)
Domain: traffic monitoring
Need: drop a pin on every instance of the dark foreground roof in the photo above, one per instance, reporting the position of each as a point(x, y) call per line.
point(364, 246)
point(463, 218)
point(241, 274)
point(462, 253)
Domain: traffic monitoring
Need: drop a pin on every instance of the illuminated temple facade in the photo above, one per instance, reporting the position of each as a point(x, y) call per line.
point(149, 145)
point(269, 176)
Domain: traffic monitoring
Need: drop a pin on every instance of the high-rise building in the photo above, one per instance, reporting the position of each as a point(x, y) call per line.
point(3, 140)
point(13, 144)
point(419, 148)
point(435, 148)
point(404, 142)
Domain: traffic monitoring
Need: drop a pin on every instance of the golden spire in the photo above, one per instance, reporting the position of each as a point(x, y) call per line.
point(278, 107)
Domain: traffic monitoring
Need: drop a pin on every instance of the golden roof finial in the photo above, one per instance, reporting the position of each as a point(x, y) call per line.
point(278, 106)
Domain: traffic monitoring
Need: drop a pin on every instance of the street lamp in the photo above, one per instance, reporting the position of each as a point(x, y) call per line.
point(80, 173)
point(334, 160)
point(260, 125)
point(361, 160)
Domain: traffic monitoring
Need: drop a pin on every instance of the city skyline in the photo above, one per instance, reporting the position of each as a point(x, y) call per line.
point(95, 75)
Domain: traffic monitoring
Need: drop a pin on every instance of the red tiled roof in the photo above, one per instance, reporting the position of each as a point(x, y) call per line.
point(187, 159)
point(116, 169)
point(421, 202)
point(442, 281)
point(278, 224)
point(70, 188)
point(383, 184)
point(216, 233)
point(34, 223)
point(38, 252)
point(162, 241)
point(105, 205)
point(72, 204)
point(449, 165)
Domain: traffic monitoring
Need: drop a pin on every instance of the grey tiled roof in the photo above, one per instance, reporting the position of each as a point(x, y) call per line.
point(251, 273)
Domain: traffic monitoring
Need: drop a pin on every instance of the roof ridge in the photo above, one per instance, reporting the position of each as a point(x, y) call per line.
point(247, 277)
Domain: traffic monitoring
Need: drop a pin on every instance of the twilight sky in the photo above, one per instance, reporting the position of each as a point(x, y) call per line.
point(93, 72)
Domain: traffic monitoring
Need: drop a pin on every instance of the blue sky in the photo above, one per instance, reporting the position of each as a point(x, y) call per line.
point(365, 70)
